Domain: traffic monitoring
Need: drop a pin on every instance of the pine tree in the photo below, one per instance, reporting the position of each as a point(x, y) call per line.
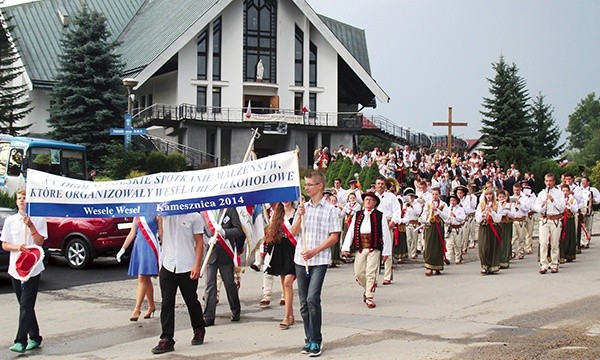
point(584, 121)
point(13, 105)
point(546, 133)
point(506, 122)
point(88, 94)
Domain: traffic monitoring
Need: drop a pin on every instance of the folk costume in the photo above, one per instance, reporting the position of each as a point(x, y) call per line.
point(506, 233)
point(568, 240)
point(591, 198)
point(454, 229)
point(410, 219)
point(399, 242)
point(521, 206)
point(489, 237)
point(433, 217)
point(390, 207)
point(529, 223)
point(550, 204)
point(369, 235)
point(465, 202)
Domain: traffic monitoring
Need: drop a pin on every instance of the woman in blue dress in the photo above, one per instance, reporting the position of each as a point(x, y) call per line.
point(144, 261)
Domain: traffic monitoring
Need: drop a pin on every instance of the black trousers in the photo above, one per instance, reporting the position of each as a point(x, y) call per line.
point(210, 293)
point(27, 295)
point(169, 282)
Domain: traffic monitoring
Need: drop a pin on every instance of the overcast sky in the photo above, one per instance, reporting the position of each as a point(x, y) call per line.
point(431, 54)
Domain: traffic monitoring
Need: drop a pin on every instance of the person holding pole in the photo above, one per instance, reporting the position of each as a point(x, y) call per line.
point(227, 239)
point(318, 224)
point(22, 236)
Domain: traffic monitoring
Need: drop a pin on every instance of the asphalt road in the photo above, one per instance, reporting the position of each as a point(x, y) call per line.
point(516, 314)
point(58, 275)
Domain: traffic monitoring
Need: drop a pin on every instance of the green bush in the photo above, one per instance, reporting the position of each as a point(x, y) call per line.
point(356, 169)
point(176, 162)
point(594, 175)
point(118, 163)
point(332, 172)
point(369, 175)
point(135, 173)
point(157, 162)
point(8, 201)
point(345, 169)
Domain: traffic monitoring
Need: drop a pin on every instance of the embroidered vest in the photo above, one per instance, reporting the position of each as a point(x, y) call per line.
point(376, 231)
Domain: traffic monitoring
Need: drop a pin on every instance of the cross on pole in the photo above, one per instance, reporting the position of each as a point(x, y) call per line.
point(127, 130)
point(449, 124)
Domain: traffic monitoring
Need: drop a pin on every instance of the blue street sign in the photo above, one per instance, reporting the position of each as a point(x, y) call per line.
point(127, 118)
point(127, 130)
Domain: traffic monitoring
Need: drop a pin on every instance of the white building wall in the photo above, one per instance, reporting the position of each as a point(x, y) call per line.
point(327, 73)
point(38, 117)
point(232, 56)
point(186, 92)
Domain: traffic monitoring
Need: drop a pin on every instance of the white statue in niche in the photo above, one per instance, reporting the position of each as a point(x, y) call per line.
point(260, 70)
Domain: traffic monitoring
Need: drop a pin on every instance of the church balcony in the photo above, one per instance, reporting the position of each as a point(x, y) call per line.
point(173, 115)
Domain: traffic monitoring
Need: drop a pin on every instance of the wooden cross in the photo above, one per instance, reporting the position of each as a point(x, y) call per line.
point(449, 124)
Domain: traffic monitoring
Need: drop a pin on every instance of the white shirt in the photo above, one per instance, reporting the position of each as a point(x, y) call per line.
point(178, 243)
point(342, 195)
point(16, 232)
point(457, 215)
point(389, 206)
point(554, 207)
point(365, 228)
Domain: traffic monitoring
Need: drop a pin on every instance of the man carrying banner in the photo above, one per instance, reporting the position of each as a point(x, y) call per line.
point(228, 239)
point(318, 225)
point(182, 249)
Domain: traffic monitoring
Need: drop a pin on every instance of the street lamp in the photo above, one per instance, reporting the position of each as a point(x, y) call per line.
point(129, 84)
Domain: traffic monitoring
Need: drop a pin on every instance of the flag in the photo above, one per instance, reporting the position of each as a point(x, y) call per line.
point(305, 109)
point(248, 111)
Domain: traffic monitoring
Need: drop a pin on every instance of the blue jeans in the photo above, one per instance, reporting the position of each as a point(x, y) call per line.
point(309, 292)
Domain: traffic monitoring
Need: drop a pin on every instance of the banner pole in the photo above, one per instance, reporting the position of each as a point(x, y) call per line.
point(255, 135)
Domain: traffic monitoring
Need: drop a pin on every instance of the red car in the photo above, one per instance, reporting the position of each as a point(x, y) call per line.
point(81, 240)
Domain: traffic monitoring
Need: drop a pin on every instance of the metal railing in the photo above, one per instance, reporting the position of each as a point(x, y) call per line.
point(163, 114)
point(195, 158)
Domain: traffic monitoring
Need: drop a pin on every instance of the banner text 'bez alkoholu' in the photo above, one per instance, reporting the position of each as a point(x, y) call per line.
point(270, 179)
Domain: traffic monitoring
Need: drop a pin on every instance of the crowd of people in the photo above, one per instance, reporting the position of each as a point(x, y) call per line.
point(425, 204)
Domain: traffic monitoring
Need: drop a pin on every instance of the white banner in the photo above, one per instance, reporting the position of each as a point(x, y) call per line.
point(270, 179)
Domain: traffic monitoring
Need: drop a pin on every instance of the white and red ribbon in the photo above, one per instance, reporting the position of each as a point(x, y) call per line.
point(211, 222)
point(149, 236)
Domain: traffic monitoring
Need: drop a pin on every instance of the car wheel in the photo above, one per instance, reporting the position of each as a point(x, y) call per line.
point(78, 253)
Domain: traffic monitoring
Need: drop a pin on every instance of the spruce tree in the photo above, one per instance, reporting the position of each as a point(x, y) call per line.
point(584, 121)
point(506, 119)
point(13, 105)
point(546, 133)
point(354, 170)
point(88, 93)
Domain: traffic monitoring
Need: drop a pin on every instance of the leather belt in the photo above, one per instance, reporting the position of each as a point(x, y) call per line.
point(366, 241)
point(552, 217)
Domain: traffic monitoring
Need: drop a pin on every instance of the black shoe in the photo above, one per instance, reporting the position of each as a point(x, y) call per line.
point(209, 322)
point(198, 338)
point(164, 345)
point(235, 318)
point(255, 268)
